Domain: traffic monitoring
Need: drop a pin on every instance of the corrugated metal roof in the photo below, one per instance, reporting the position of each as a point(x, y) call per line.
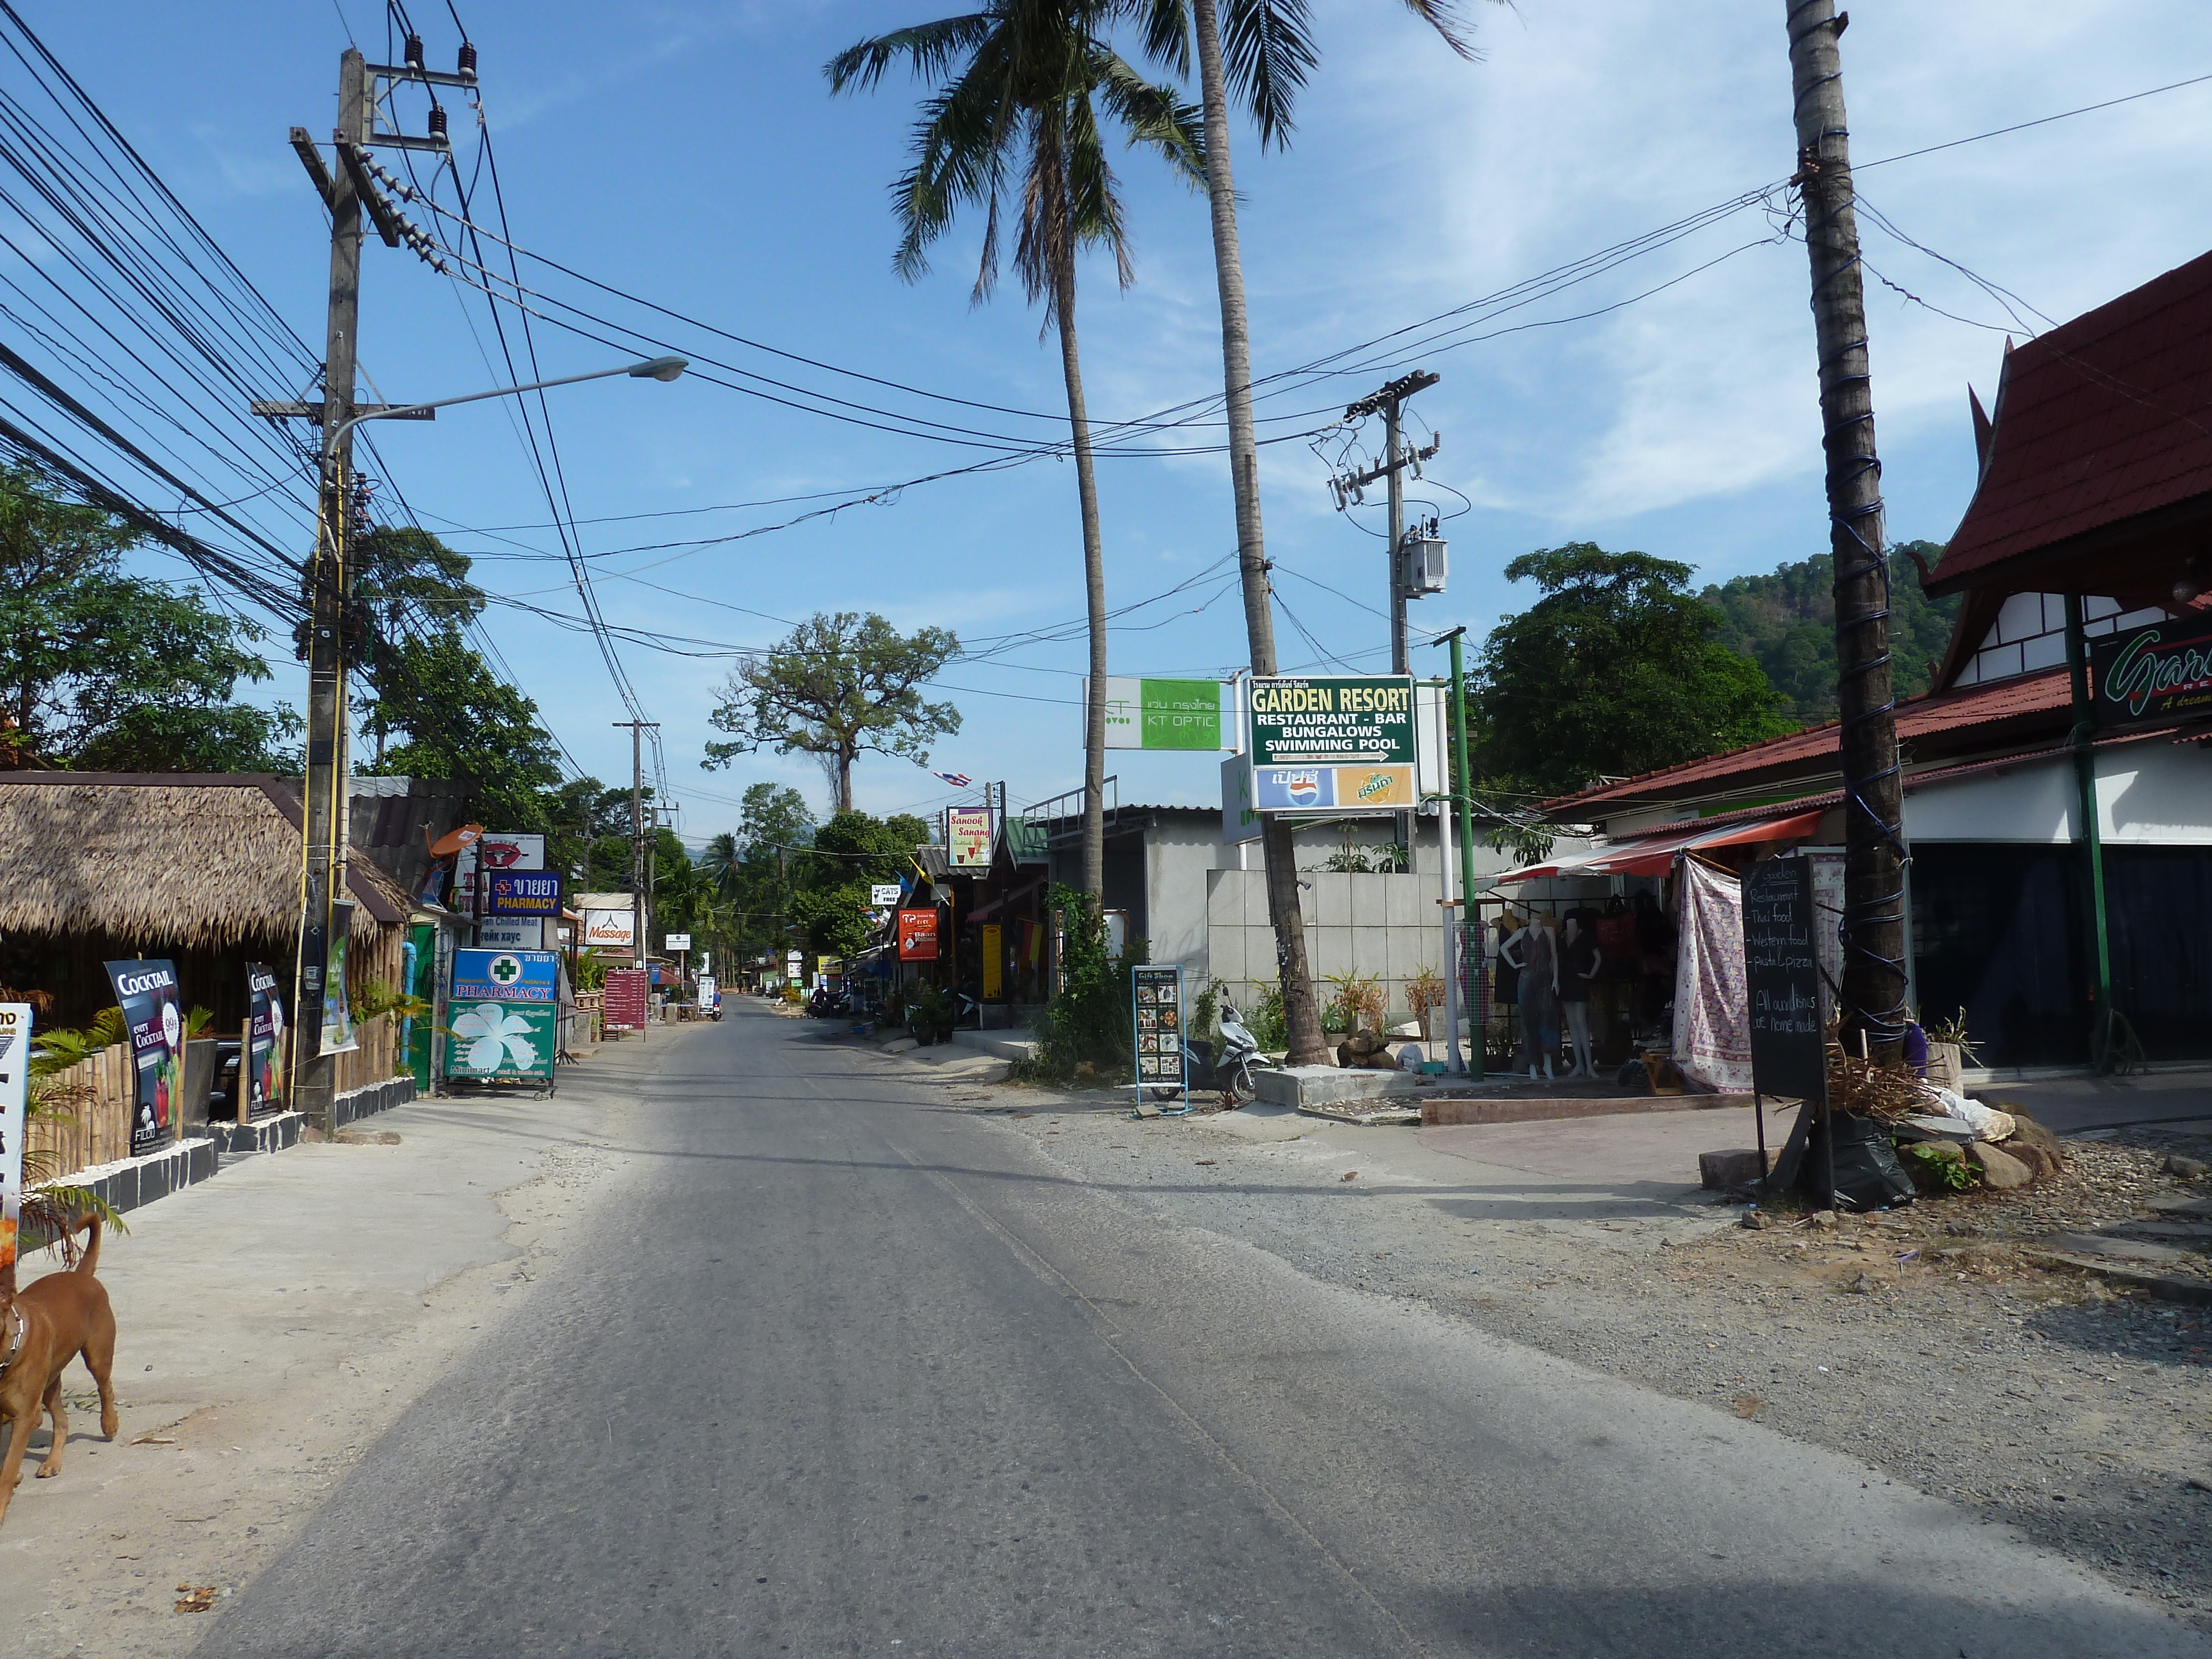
point(1919, 717)
point(2102, 419)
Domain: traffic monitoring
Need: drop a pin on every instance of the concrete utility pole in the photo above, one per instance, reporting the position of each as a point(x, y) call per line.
point(329, 585)
point(637, 731)
point(1875, 855)
point(1390, 401)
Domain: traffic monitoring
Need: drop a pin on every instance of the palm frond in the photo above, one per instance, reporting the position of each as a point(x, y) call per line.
point(1266, 49)
point(1446, 18)
point(930, 47)
point(1155, 115)
point(1164, 26)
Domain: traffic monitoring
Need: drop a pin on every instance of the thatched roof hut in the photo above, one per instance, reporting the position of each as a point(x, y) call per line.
point(202, 869)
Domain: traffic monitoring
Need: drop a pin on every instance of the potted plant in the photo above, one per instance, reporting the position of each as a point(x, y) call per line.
point(1424, 995)
point(1949, 1052)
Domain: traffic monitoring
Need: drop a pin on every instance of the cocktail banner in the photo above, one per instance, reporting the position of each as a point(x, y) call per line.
point(147, 992)
point(15, 1081)
point(264, 1084)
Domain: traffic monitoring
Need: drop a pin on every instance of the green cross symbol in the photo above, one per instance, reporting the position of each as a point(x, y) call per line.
point(507, 971)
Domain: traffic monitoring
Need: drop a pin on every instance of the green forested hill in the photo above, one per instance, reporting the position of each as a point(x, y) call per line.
point(1787, 624)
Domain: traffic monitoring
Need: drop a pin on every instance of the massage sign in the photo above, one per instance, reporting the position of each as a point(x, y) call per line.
point(506, 1012)
point(1333, 743)
point(147, 992)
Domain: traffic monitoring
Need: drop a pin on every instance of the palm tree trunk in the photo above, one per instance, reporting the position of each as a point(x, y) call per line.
point(1094, 584)
point(1302, 1014)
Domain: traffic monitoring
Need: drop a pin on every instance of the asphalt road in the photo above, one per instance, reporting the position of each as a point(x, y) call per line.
point(852, 1370)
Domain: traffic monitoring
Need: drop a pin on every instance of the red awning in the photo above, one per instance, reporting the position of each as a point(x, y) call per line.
point(1654, 855)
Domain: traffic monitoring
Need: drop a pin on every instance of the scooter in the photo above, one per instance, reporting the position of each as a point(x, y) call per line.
point(1240, 1052)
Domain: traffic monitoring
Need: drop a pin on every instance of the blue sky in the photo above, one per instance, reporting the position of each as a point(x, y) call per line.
point(691, 154)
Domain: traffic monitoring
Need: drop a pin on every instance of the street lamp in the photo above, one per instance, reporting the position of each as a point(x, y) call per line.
point(652, 368)
point(324, 827)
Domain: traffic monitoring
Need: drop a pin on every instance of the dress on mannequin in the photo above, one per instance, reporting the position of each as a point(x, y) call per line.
point(1579, 963)
point(1512, 962)
point(1539, 995)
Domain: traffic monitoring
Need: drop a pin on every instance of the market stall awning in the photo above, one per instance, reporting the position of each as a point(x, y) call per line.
point(1654, 854)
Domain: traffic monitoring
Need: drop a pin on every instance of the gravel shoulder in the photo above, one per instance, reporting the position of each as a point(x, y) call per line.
point(1923, 1341)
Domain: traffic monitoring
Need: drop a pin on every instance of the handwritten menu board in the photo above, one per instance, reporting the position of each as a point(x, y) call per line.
point(1157, 996)
point(1782, 972)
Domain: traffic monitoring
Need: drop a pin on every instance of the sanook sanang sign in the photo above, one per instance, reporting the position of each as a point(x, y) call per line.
point(1353, 720)
point(2147, 676)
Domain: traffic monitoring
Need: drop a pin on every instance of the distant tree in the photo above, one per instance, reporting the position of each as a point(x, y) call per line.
point(1611, 672)
point(1787, 622)
point(115, 673)
point(463, 721)
point(851, 853)
point(841, 686)
point(752, 867)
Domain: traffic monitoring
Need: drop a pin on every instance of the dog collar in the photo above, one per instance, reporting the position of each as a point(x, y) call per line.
point(14, 1337)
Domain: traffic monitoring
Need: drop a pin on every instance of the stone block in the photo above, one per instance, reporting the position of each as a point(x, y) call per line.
point(1327, 1086)
point(1737, 1167)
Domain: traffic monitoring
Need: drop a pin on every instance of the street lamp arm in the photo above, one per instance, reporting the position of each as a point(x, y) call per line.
point(652, 368)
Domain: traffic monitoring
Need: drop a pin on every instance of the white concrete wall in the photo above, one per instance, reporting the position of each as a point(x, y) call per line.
point(2152, 793)
point(1389, 926)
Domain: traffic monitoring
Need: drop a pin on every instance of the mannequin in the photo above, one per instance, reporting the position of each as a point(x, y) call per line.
point(1579, 964)
point(1539, 991)
point(1512, 938)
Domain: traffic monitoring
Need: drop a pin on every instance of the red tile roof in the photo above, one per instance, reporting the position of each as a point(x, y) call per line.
point(1801, 751)
point(2099, 421)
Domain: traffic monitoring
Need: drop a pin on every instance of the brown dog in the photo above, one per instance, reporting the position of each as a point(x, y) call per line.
point(63, 1315)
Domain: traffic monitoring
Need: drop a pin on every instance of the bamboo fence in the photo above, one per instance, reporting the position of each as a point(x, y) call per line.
point(97, 1095)
point(94, 1116)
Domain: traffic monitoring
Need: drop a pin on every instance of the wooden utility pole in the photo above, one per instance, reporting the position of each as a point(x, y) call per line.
point(1874, 923)
point(329, 585)
point(1277, 846)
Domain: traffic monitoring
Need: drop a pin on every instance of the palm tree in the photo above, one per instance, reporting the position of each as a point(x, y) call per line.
point(1268, 50)
point(1018, 86)
point(720, 864)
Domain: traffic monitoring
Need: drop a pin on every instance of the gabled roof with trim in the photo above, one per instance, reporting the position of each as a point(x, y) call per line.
point(2004, 711)
point(2100, 448)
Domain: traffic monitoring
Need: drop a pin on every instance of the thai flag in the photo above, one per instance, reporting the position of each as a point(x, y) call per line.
point(958, 779)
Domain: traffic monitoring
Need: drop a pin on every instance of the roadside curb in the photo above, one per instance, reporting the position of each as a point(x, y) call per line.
point(1456, 1111)
point(2167, 1287)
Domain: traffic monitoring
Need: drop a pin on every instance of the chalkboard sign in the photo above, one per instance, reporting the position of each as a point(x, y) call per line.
point(1781, 972)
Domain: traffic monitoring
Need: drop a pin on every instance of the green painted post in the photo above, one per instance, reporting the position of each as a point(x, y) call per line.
point(2092, 834)
point(1463, 794)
